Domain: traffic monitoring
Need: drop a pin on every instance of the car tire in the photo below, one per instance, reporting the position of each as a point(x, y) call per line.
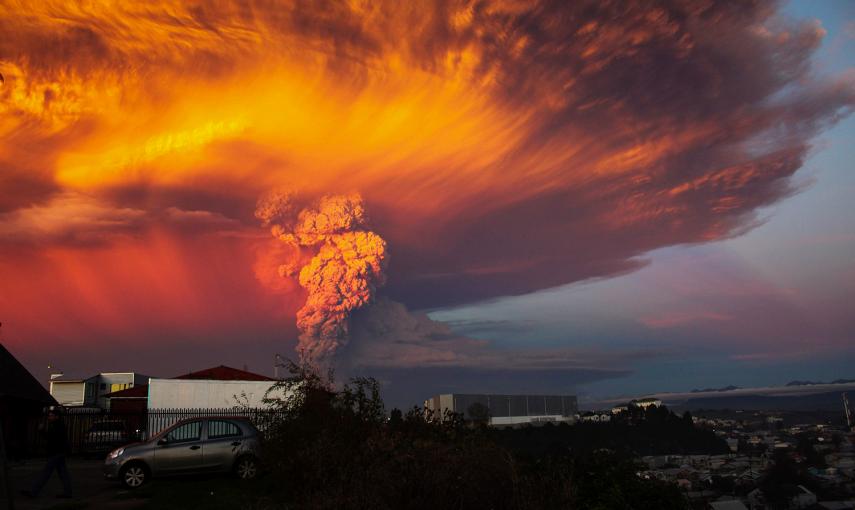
point(134, 475)
point(246, 467)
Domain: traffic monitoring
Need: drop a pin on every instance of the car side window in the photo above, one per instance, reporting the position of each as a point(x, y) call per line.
point(188, 432)
point(218, 429)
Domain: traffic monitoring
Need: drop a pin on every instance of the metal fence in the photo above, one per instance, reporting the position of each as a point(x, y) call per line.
point(97, 431)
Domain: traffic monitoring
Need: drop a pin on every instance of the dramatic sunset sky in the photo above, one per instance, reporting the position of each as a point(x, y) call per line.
point(599, 198)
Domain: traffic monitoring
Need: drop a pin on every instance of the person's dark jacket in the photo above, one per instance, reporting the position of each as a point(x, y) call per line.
point(57, 441)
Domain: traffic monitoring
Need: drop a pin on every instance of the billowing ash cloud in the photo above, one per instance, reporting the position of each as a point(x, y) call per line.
point(341, 277)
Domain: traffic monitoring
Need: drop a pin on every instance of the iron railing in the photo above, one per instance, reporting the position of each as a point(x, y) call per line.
point(97, 431)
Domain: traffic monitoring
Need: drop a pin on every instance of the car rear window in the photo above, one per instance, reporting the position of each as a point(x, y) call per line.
point(221, 428)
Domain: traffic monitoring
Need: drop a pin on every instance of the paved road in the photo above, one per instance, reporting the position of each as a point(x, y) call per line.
point(91, 490)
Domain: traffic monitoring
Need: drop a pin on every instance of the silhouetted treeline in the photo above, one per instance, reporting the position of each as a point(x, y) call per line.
point(338, 450)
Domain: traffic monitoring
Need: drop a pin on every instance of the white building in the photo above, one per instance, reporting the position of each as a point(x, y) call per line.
point(597, 417)
point(206, 394)
point(198, 393)
point(91, 391)
point(503, 410)
point(646, 403)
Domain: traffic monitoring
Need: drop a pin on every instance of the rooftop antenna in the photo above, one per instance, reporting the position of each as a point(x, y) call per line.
point(54, 373)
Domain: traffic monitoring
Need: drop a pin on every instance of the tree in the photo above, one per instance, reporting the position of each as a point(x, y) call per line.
point(478, 413)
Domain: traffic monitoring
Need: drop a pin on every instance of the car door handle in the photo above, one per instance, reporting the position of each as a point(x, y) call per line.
point(195, 447)
point(236, 443)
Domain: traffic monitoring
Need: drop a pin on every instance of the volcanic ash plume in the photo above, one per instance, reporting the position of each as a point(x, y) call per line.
point(342, 276)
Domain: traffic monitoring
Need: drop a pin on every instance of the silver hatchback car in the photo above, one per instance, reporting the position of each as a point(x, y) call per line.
point(197, 445)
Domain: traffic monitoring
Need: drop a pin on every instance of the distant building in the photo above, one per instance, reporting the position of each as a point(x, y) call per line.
point(733, 444)
point(646, 403)
point(92, 391)
point(596, 417)
point(506, 409)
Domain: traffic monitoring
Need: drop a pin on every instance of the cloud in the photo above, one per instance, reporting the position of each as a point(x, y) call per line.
point(200, 219)
point(387, 335)
point(503, 147)
point(74, 218)
point(69, 217)
point(680, 319)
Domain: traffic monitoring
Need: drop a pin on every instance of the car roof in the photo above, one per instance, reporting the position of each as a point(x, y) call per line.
point(217, 417)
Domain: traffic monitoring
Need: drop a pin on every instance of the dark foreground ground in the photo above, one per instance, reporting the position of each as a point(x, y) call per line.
point(92, 492)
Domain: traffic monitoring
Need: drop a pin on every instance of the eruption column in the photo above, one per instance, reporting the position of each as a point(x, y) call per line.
point(344, 273)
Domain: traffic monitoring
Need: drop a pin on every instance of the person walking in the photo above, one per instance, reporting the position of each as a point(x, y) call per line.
point(57, 449)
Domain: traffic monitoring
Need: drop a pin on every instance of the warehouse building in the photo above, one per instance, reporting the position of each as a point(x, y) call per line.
point(503, 410)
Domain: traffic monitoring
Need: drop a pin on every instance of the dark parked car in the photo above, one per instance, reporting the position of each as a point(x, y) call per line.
point(105, 435)
point(198, 445)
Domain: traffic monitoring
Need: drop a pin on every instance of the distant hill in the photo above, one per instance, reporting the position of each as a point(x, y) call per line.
point(726, 388)
point(811, 383)
point(816, 402)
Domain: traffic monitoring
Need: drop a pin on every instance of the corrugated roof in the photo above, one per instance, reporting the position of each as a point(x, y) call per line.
point(17, 382)
point(224, 373)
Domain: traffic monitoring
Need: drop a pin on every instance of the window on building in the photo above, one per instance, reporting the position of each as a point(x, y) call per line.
point(119, 387)
point(218, 429)
point(188, 432)
point(103, 386)
point(90, 389)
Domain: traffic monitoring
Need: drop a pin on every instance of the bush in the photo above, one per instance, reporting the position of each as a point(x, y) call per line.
point(337, 450)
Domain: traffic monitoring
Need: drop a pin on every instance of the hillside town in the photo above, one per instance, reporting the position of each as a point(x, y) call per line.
point(803, 466)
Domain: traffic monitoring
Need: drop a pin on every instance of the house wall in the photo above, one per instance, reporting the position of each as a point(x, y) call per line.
point(68, 393)
point(110, 382)
point(18, 417)
point(206, 394)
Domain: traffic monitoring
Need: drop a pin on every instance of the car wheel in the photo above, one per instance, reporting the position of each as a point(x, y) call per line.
point(246, 468)
point(134, 475)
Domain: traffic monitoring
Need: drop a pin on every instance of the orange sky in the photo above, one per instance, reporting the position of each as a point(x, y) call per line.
point(501, 148)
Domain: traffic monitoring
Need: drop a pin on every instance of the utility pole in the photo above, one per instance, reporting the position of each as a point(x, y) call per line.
point(847, 410)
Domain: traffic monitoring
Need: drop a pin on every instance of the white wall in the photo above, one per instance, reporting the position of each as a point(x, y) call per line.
point(186, 393)
point(68, 393)
point(517, 420)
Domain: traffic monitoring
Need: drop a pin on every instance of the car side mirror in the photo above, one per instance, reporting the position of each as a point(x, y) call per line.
point(162, 442)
